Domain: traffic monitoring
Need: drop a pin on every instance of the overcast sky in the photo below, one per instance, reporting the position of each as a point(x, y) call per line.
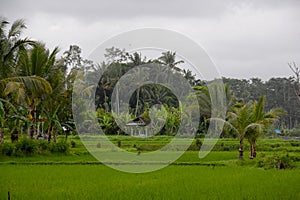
point(245, 38)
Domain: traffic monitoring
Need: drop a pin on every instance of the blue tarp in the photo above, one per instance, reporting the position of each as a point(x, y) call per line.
point(278, 131)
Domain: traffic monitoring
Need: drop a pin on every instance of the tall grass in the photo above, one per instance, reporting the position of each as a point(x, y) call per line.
point(173, 182)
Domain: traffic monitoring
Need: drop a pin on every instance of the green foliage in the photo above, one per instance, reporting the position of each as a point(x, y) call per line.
point(279, 92)
point(29, 147)
point(119, 143)
point(276, 161)
point(98, 145)
point(26, 146)
point(42, 146)
point(7, 149)
point(107, 122)
point(59, 147)
point(73, 144)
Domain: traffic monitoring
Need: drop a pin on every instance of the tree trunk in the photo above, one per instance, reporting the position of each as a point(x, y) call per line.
point(32, 129)
point(254, 150)
point(137, 102)
point(54, 136)
point(241, 151)
point(251, 150)
point(49, 134)
point(118, 100)
point(67, 133)
point(2, 135)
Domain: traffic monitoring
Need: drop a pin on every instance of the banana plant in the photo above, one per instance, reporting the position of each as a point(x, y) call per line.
point(4, 115)
point(52, 124)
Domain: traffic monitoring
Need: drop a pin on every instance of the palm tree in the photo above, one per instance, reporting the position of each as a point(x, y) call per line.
point(169, 59)
point(187, 74)
point(250, 121)
point(5, 107)
point(10, 44)
point(38, 62)
point(264, 119)
point(2, 120)
point(24, 90)
point(239, 123)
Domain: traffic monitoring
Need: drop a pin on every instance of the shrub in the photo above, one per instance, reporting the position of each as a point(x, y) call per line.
point(275, 145)
point(42, 146)
point(59, 147)
point(7, 149)
point(119, 143)
point(198, 143)
point(276, 161)
point(98, 145)
point(26, 146)
point(295, 144)
point(73, 144)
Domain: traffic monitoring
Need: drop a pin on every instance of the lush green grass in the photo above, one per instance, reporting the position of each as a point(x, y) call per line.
point(173, 182)
point(78, 175)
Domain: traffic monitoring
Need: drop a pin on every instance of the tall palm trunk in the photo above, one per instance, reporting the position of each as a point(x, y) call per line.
point(117, 99)
point(49, 133)
point(54, 136)
point(137, 102)
point(2, 134)
point(241, 150)
point(32, 113)
point(254, 149)
point(251, 151)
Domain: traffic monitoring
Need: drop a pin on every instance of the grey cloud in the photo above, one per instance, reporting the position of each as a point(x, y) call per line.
point(97, 10)
point(244, 37)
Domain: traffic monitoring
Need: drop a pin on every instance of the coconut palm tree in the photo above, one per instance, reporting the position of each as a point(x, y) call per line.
point(169, 59)
point(10, 44)
point(250, 121)
point(187, 74)
point(239, 123)
point(5, 107)
point(38, 62)
point(264, 119)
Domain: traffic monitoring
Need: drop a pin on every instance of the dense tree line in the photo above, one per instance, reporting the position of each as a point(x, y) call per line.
point(279, 93)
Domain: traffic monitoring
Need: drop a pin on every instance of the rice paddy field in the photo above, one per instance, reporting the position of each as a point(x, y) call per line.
point(78, 175)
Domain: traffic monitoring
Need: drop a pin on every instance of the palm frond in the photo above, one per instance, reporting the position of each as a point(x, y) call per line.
point(9, 104)
point(34, 84)
point(16, 28)
point(16, 45)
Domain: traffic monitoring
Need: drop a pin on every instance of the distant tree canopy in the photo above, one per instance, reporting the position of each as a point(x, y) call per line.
point(279, 92)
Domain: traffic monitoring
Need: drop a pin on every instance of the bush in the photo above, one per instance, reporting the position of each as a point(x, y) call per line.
point(7, 149)
point(119, 143)
point(26, 146)
point(59, 147)
point(43, 145)
point(295, 144)
point(98, 145)
point(198, 143)
point(275, 145)
point(276, 162)
point(73, 144)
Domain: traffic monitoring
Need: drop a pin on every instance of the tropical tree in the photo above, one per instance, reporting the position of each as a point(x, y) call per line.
point(10, 44)
point(38, 62)
point(239, 122)
point(250, 121)
point(5, 108)
point(169, 59)
point(187, 74)
point(263, 121)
